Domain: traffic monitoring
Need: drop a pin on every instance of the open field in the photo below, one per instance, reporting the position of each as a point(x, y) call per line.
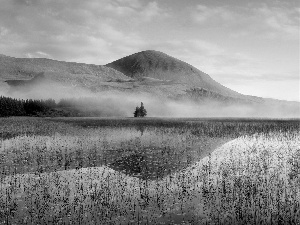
point(149, 171)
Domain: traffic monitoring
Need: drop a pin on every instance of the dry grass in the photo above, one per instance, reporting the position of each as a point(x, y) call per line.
point(84, 175)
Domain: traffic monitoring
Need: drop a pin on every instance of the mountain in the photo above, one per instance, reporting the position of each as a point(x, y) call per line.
point(147, 71)
point(76, 74)
point(153, 74)
point(158, 65)
point(24, 68)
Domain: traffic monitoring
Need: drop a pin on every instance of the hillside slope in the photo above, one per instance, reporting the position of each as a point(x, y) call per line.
point(150, 72)
point(158, 65)
point(27, 68)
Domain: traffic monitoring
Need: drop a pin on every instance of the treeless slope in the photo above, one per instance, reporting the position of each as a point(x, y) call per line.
point(161, 66)
point(26, 68)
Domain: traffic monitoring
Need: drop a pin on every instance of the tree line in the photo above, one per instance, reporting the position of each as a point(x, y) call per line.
point(64, 108)
point(19, 107)
point(29, 107)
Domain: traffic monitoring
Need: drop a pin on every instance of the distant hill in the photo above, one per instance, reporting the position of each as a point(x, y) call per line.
point(153, 73)
point(64, 72)
point(158, 65)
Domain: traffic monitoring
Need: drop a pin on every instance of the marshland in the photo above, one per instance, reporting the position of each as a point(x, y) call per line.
point(149, 171)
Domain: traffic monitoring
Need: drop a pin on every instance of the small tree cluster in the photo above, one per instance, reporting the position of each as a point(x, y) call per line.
point(140, 111)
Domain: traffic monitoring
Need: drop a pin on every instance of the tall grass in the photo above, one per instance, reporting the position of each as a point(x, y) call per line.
point(208, 172)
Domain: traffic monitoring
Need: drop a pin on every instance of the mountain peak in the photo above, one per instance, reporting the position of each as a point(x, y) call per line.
point(150, 51)
point(158, 65)
point(150, 63)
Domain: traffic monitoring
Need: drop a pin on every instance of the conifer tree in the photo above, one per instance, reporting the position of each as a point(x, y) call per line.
point(140, 111)
point(143, 111)
point(136, 112)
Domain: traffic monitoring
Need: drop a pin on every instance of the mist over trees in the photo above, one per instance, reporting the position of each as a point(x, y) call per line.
point(70, 107)
point(19, 107)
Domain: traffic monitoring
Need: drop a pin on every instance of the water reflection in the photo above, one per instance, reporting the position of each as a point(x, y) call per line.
point(158, 163)
point(143, 153)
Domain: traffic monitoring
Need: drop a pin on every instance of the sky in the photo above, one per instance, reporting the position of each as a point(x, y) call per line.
point(249, 46)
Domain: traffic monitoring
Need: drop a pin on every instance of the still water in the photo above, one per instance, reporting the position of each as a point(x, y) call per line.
point(146, 153)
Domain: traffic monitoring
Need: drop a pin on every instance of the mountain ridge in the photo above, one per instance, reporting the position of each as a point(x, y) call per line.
point(147, 71)
point(27, 68)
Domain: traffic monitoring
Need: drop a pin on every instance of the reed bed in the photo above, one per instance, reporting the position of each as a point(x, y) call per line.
point(63, 173)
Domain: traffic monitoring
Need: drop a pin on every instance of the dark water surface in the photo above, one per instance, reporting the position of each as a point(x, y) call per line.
point(175, 144)
point(145, 161)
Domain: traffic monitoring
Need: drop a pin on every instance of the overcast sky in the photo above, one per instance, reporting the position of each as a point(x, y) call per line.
point(249, 46)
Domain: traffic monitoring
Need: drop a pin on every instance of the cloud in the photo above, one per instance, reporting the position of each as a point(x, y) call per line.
point(151, 11)
point(72, 30)
point(117, 9)
point(205, 55)
point(280, 20)
point(255, 19)
point(3, 31)
point(131, 3)
point(204, 13)
point(38, 54)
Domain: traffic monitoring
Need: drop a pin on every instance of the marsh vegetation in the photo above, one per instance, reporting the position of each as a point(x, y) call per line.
point(149, 171)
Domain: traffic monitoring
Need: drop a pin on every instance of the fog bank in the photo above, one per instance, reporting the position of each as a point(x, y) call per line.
point(122, 104)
